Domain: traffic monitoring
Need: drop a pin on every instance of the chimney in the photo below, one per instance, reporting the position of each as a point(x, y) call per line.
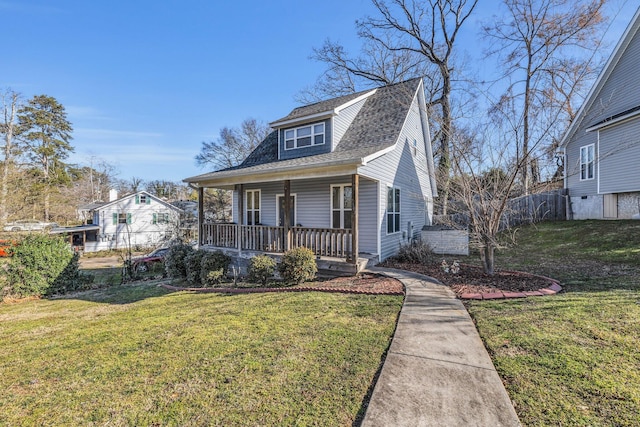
point(113, 194)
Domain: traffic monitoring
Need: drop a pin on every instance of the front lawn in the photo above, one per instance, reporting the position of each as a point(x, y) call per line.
point(572, 359)
point(139, 355)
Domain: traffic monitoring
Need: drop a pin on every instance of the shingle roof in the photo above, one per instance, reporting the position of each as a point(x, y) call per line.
point(375, 128)
point(320, 107)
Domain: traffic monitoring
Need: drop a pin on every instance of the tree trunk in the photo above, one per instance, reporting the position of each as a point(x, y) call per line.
point(445, 138)
point(487, 257)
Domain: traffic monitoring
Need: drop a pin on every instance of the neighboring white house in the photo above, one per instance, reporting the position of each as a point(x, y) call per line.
point(136, 220)
point(349, 176)
point(602, 145)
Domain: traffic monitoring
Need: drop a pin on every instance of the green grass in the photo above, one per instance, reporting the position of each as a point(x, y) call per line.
point(572, 359)
point(138, 355)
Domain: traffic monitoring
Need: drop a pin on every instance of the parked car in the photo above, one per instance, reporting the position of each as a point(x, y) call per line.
point(144, 263)
point(28, 225)
point(5, 247)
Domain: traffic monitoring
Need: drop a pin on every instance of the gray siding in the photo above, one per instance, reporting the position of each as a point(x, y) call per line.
point(617, 149)
point(313, 205)
point(306, 151)
point(342, 121)
point(619, 154)
point(621, 91)
point(403, 169)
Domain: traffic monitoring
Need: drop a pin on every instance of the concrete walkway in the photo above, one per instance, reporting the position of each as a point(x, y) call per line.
point(437, 371)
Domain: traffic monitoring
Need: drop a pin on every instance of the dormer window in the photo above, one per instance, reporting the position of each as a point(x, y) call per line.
point(304, 136)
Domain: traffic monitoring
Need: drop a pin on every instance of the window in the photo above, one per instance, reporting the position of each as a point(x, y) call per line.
point(161, 218)
point(253, 207)
point(393, 210)
point(341, 206)
point(143, 199)
point(121, 218)
point(304, 136)
point(587, 163)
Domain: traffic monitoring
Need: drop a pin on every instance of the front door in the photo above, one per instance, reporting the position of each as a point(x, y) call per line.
point(292, 212)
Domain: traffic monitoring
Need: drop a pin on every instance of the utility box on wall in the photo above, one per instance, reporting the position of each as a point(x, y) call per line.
point(445, 240)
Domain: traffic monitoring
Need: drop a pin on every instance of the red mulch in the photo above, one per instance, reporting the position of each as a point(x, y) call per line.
point(362, 283)
point(471, 279)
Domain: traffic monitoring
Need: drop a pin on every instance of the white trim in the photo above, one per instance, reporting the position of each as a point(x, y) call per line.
point(616, 121)
point(399, 212)
point(354, 101)
point(313, 117)
point(312, 136)
point(295, 207)
point(246, 205)
point(593, 160)
point(341, 208)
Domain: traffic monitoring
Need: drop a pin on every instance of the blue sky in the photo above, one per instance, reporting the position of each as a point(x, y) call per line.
point(145, 82)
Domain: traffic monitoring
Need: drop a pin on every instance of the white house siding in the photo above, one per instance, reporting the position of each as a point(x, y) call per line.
point(342, 121)
point(142, 232)
point(403, 169)
point(619, 155)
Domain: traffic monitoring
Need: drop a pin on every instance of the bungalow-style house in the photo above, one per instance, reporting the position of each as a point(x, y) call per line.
point(602, 146)
point(135, 220)
point(349, 176)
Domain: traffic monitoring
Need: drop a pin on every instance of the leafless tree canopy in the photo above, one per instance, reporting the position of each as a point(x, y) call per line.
point(233, 145)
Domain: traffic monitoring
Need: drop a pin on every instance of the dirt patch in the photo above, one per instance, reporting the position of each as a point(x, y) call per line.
point(100, 262)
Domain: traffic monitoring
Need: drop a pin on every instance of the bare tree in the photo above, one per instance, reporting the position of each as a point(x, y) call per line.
point(410, 38)
point(11, 103)
point(538, 42)
point(233, 145)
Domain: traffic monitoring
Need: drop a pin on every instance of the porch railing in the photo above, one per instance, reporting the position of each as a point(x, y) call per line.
point(334, 242)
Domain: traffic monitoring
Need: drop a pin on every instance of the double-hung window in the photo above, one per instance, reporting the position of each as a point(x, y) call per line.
point(393, 210)
point(587, 162)
point(341, 206)
point(304, 136)
point(253, 207)
point(161, 218)
point(121, 218)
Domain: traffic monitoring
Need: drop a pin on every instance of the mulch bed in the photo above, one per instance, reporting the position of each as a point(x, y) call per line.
point(472, 279)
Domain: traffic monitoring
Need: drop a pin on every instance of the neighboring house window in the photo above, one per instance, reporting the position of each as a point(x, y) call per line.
point(161, 218)
point(253, 207)
point(587, 162)
point(393, 210)
point(304, 136)
point(341, 206)
point(143, 199)
point(121, 218)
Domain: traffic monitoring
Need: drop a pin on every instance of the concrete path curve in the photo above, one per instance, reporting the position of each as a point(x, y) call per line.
point(437, 371)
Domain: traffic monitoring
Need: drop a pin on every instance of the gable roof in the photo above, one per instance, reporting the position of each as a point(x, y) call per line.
point(375, 128)
point(129, 196)
point(604, 75)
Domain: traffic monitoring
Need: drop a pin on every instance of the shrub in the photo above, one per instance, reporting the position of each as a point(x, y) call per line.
point(174, 261)
point(192, 263)
point(416, 252)
point(213, 278)
point(44, 265)
point(213, 262)
point(298, 266)
point(261, 269)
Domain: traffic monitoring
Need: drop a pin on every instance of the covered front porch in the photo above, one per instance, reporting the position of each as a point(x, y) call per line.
point(319, 213)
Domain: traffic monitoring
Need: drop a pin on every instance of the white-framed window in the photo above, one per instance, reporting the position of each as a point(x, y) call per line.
point(252, 203)
point(587, 162)
point(161, 218)
point(393, 210)
point(304, 136)
point(121, 218)
point(142, 199)
point(341, 205)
